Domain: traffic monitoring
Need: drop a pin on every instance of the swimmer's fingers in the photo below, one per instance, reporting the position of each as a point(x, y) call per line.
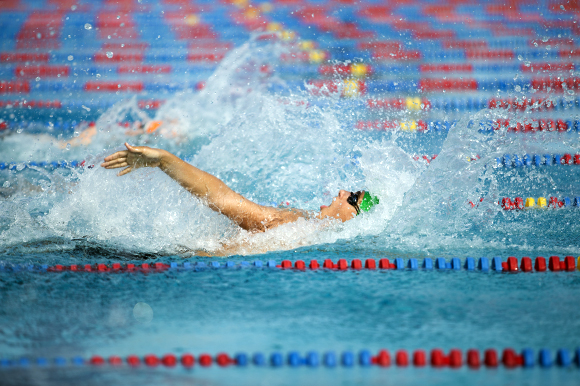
point(115, 163)
point(114, 156)
point(125, 171)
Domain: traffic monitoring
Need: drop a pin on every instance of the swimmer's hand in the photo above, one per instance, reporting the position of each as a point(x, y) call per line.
point(133, 158)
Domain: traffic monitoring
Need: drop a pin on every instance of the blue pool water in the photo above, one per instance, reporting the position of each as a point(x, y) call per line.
point(264, 130)
point(265, 310)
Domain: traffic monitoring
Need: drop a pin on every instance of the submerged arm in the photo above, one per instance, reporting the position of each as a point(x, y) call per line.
point(212, 190)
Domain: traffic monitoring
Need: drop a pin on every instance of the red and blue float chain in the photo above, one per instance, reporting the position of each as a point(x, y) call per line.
point(540, 264)
point(454, 359)
point(518, 203)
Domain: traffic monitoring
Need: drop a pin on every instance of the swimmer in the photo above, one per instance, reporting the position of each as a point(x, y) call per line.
point(156, 128)
point(219, 197)
point(167, 129)
point(84, 138)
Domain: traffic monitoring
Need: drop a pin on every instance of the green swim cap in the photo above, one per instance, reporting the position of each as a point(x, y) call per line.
point(368, 202)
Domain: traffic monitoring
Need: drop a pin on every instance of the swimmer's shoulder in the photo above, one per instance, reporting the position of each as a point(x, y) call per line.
point(297, 213)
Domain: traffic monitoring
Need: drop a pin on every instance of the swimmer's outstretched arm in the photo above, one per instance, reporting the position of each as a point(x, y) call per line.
point(212, 190)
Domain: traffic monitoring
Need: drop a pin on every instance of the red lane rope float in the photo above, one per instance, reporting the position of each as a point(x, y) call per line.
point(465, 67)
point(437, 358)
point(29, 71)
point(14, 87)
point(114, 86)
point(398, 55)
point(512, 264)
point(447, 84)
point(24, 57)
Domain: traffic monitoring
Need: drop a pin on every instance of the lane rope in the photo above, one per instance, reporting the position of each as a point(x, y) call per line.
point(437, 358)
point(483, 264)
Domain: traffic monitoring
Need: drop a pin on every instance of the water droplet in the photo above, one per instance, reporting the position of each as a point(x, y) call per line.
point(571, 92)
point(545, 39)
point(37, 78)
point(73, 8)
point(70, 58)
point(518, 88)
point(528, 63)
point(76, 134)
point(6, 184)
point(562, 8)
point(520, 58)
point(88, 26)
point(118, 17)
point(142, 312)
point(108, 36)
point(548, 47)
point(19, 131)
point(536, 44)
point(98, 75)
point(68, 146)
point(38, 35)
point(109, 54)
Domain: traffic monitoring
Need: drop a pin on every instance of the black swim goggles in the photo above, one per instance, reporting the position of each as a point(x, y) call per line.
point(353, 200)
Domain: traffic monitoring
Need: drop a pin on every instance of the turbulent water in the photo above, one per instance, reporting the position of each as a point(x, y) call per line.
point(289, 149)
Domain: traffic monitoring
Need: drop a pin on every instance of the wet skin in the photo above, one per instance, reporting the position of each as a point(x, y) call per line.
point(217, 195)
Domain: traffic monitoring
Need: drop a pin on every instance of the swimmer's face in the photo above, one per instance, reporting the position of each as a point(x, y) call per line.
point(340, 209)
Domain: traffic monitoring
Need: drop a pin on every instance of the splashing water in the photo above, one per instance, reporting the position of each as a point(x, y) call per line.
point(286, 150)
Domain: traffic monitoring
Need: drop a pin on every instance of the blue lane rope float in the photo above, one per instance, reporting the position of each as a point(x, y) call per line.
point(537, 160)
point(454, 359)
point(19, 166)
point(484, 264)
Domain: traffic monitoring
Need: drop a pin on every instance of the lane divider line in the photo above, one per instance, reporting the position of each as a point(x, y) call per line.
point(530, 203)
point(437, 358)
point(484, 264)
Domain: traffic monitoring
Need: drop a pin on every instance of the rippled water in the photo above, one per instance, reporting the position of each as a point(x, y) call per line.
point(286, 148)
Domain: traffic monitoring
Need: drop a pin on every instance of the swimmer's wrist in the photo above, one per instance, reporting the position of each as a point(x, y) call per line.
point(167, 160)
point(164, 159)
